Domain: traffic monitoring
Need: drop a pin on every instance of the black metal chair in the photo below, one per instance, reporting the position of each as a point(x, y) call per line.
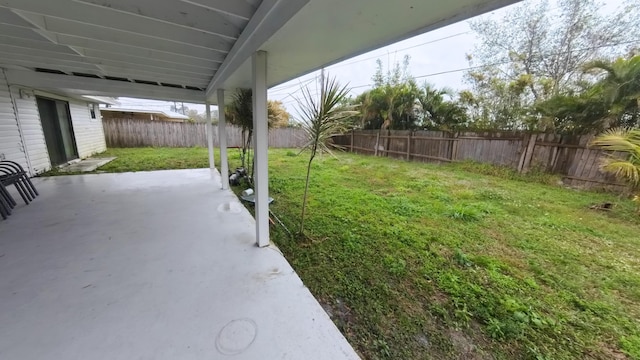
point(11, 173)
point(19, 170)
point(24, 174)
point(6, 202)
point(8, 178)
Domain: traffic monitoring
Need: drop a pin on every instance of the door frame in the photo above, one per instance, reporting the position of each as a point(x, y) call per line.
point(58, 134)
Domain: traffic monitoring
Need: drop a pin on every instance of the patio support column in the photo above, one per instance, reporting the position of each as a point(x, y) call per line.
point(212, 164)
point(222, 136)
point(261, 146)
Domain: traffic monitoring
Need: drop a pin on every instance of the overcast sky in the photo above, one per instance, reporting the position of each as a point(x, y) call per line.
point(438, 57)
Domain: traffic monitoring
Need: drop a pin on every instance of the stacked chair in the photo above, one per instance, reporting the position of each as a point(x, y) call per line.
point(11, 173)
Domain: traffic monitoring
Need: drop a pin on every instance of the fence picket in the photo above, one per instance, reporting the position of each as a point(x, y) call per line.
point(141, 133)
point(568, 156)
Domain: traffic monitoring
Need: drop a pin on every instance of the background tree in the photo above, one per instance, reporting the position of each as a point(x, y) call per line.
point(240, 113)
point(322, 119)
point(496, 103)
point(278, 114)
point(195, 116)
point(574, 114)
point(393, 102)
point(372, 104)
point(619, 88)
point(438, 109)
point(535, 52)
point(294, 124)
point(179, 107)
point(612, 101)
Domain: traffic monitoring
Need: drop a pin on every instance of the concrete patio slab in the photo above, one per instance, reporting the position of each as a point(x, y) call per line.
point(86, 165)
point(150, 265)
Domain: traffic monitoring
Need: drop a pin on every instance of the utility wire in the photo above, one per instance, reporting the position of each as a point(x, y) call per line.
point(306, 82)
point(277, 90)
point(403, 49)
point(510, 61)
point(378, 56)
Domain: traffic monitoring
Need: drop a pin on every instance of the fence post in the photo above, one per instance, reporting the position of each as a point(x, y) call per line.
point(523, 150)
point(409, 145)
point(351, 145)
point(527, 155)
point(375, 151)
point(454, 147)
point(387, 143)
point(555, 154)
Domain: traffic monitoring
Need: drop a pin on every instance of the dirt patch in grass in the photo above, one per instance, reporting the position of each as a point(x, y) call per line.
point(465, 347)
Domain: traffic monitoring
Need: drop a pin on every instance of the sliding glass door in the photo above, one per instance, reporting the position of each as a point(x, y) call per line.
point(58, 131)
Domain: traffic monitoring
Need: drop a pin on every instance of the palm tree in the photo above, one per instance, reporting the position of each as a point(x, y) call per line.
point(626, 141)
point(372, 104)
point(392, 103)
point(620, 88)
point(240, 113)
point(322, 119)
point(612, 101)
point(406, 106)
point(432, 105)
point(390, 93)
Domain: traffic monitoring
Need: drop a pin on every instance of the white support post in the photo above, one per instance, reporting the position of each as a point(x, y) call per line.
point(212, 164)
point(261, 146)
point(222, 136)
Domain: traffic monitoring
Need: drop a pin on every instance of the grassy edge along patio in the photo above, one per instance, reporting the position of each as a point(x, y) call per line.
point(459, 261)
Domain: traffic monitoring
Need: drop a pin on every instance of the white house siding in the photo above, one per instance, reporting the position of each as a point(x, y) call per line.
point(11, 147)
point(22, 131)
point(29, 118)
point(88, 132)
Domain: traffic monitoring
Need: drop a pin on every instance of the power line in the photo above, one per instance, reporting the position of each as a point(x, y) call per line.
point(467, 68)
point(403, 49)
point(295, 101)
point(293, 95)
point(275, 91)
point(408, 48)
point(377, 56)
point(509, 61)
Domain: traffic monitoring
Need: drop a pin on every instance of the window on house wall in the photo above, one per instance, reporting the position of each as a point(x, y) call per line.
point(92, 111)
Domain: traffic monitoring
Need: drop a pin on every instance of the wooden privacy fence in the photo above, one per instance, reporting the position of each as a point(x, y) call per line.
point(568, 156)
point(143, 133)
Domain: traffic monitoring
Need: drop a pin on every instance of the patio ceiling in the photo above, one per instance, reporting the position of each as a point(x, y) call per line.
point(185, 49)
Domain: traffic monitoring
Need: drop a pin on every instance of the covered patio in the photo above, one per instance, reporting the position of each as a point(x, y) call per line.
point(150, 265)
point(201, 51)
point(165, 264)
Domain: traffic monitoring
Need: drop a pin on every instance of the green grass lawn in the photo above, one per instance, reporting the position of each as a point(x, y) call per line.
point(146, 159)
point(420, 261)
